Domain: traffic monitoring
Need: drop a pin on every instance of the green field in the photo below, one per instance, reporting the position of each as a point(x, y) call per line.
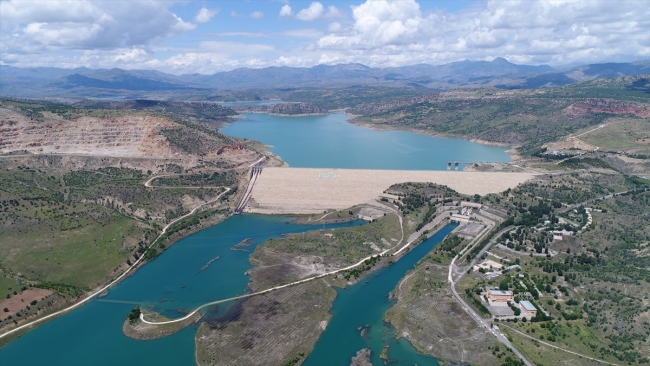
point(622, 134)
point(75, 227)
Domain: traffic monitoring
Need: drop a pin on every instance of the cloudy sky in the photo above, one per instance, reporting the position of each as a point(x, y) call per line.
point(209, 36)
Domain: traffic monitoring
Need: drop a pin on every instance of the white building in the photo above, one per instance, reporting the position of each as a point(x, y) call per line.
point(528, 308)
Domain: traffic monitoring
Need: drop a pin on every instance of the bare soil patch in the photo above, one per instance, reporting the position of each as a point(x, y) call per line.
point(20, 301)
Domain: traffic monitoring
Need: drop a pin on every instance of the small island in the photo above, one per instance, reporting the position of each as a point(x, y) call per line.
point(135, 328)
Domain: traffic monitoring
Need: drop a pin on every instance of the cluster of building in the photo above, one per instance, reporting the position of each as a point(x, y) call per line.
point(465, 212)
point(528, 310)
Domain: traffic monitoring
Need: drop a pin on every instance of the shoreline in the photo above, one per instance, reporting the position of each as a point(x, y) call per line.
point(116, 276)
point(283, 115)
point(512, 151)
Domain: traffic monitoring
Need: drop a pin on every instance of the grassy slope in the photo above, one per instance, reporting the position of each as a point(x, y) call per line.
point(605, 269)
point(528, 118)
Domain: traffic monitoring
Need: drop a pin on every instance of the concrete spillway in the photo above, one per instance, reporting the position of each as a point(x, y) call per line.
point(243, 201)
point(312, 190)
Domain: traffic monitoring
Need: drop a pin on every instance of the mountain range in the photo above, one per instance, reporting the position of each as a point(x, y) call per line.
point(80, 83)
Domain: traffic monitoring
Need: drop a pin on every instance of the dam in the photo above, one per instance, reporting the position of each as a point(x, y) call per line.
point(313, 190)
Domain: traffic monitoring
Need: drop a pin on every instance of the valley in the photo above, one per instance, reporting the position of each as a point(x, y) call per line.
point(93, 191)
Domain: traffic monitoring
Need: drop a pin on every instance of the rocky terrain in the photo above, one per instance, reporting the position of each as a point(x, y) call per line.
point(62, 130)
point(609, 106)
point(285, 109)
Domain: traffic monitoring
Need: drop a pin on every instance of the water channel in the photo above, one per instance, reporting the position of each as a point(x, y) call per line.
point(170, 284)
point(175, 282)
point(365, 303)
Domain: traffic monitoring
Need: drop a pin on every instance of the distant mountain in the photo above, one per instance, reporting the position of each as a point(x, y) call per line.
point(122, 81)
point(81, 83)
point(354, 74)
point(580, 73)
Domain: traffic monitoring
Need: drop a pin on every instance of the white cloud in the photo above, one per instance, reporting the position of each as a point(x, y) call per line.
point(313, 12)
point(204, 15)
point(334, 27)
point(100, 34)
point(396, 32)
point(317, 11)
point(286, 11)
point(333, 12)
point(35, 27)
point(253, 15)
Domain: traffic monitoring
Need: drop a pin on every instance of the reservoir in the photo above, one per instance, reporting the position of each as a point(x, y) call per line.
point(332, 142)
point(175, 281)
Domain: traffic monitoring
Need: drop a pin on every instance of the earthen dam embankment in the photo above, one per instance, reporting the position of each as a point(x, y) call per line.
point(312, 190)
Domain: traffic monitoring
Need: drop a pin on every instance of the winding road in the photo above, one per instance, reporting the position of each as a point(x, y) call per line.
point(452, 282)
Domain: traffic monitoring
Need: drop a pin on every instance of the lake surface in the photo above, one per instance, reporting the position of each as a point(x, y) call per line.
point(365, 303)
point(332, 142)
point(171, 284)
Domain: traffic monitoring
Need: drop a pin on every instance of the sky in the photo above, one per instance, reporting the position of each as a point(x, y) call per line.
point(183, 37)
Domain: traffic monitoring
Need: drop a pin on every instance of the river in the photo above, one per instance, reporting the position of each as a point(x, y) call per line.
point(175, 282)
point(170, 284)
point(365, 303)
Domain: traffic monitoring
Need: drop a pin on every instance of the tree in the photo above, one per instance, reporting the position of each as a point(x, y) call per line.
point(5, 310)
point(134, 316)
point(503, 285)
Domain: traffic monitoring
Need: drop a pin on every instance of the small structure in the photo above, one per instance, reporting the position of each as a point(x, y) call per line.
point(500, 296)
point(557, 237)
point(459, 218)
point(471, 204)
point(528, 308)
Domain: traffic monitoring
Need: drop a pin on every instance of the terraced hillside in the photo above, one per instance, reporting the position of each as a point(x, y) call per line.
point(51, 129)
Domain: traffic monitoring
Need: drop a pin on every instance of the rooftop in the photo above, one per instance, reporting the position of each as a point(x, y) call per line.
point(502, 293)
point(527, 305)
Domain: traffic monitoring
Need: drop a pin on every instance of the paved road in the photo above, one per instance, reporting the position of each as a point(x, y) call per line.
point(483, 322)
point(592, 200)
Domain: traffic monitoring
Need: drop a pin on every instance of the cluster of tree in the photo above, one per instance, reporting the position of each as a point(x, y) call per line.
point(514, 308)
point(134, 315)
point(450, 243)
point(428, 216)
point(479, 305)
point(414, 200)
point(367, 264)
point(61, 288)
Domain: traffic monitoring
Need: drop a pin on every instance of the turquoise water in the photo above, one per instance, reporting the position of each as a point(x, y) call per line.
point(175, 283)
point(332, 142)
point(365, 303)
point(171, 284)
